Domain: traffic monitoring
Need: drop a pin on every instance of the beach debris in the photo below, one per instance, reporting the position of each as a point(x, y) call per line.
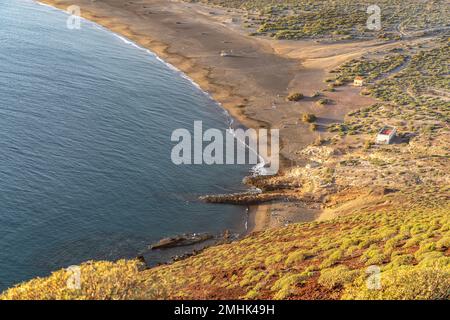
point(182, 240)
point(225, 53)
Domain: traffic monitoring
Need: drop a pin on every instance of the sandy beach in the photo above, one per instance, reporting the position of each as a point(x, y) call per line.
point(252, 82)
point(273, 215)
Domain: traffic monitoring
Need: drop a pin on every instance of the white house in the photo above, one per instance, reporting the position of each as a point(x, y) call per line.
point(358, 82)
point(386, 135)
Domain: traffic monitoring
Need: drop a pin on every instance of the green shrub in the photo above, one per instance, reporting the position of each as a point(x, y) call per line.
point(351, 250)
point(308, 117)
point(323, 101)
point(296, 257)
point(391, 244)
point(443, 243)
point(368, 144)
point(434, 259)
point(332, 259)
point(373, 255)
point(295, 96)
point(273, 259)
point(99, 280)
point(405, 284)
point(402, 260)
point(251, 295)
point(251, 276)
point(412, 242)
point(284, 285)
point(337, 277)
point(425, 246)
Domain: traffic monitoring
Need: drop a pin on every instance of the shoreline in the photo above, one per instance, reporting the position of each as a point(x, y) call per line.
point(255, 213)
point(258, 218)
point(189, 38)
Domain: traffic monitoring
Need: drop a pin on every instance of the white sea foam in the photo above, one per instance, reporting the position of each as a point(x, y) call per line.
point(259, 168)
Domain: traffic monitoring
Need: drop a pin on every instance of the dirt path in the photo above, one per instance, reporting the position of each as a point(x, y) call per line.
point(394, 71)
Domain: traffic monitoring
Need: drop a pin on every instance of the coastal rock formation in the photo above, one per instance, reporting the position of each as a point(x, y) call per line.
point(181, 240)
point(244, 198)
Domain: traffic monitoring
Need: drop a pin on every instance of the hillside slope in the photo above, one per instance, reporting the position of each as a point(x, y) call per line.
point(320, 260)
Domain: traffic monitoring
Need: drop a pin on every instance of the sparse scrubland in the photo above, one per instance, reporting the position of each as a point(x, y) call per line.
point(342, 19)
point(414, 98)
point(384, 231)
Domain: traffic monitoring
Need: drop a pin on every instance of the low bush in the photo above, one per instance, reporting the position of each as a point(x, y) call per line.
point(372, 256)
point(297, 257)
point(308, 117)
point(405, 284)
point(337, 277)
point(323, 101)
point(284, 285)
point(332, 259)
point(443, 243)
point(402, 260)
point(295, 96)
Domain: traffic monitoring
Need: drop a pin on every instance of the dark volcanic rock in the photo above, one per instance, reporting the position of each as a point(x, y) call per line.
point(181, 240)
point(248, 198)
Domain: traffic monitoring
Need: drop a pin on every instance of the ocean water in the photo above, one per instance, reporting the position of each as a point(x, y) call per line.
point(85, 126)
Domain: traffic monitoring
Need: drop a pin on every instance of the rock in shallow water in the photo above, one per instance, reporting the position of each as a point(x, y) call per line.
point(181, 240)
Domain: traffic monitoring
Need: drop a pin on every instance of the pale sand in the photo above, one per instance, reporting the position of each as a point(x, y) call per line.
point(260, 75)
point(273, 215)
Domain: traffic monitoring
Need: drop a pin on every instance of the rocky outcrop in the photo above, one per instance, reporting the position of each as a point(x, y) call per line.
point(252, 199)
point(247, 198)
point(181, 240)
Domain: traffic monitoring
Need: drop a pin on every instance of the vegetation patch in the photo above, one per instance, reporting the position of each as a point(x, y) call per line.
point(295, 96)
